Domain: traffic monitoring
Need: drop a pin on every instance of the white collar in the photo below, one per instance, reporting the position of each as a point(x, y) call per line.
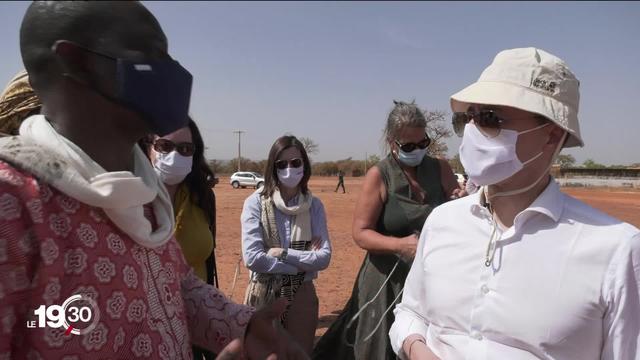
point(550, 203)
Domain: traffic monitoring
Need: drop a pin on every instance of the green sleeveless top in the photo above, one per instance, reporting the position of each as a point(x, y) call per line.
point(400, 217)
point(401, 214)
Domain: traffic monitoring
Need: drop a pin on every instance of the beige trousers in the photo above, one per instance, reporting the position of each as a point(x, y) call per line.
point(302, 319)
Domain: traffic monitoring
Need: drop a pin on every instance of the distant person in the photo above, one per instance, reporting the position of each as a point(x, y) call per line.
point(178, 159)
point(82, 211)
point(520, 270)
point(397, 196)
point(18, 101)
point(285, 241)
point(340, 181)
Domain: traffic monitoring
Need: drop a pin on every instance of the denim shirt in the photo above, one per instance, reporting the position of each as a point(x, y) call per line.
point(254, 251)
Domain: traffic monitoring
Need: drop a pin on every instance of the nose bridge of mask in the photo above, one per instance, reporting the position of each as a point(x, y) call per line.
point(415, 152)
point(173, 160)
point(289, 171)
point(502, 145)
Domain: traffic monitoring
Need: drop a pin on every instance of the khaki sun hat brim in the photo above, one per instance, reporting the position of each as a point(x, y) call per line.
point(506, 94)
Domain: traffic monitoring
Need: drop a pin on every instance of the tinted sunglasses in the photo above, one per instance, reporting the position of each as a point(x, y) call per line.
point(409, 147)
point(293, 163)
point(487, 121)
point(165, 146)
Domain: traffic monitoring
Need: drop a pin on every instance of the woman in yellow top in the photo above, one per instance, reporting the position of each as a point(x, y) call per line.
point(178, 159)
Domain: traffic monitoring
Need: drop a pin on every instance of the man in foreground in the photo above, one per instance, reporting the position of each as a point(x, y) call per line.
point(82, 211)
point(520, 270)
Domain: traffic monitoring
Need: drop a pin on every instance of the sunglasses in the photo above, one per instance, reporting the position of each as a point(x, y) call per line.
point(409, 147)
point(488, 122)
point(165, 146)
point(293, 163)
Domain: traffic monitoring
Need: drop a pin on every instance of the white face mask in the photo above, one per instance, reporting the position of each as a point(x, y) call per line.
point(489, 161)
point(172, 168)
point(291, 177)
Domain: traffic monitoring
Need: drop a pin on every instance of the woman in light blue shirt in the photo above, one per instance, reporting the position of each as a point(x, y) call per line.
point(285, 241)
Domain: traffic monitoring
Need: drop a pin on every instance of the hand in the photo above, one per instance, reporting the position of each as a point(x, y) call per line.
point(316, 243)
point(407, 247)
point(234, 351)
point(458, 193)
point(275, 252)
point(265, 338)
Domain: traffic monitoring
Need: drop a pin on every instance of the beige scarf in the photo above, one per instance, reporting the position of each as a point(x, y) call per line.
point(265, 288)
point(54, 159)
point(301, 227)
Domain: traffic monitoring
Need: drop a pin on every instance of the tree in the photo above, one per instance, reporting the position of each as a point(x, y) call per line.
point(371, 161)
point(565, 161)
point(590, 164)
point(309, 145)
point(215, 166)
point(438, 130)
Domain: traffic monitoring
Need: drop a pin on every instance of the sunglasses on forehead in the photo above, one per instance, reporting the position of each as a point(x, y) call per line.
point(487, 121)
point(293, 163)
point(165, 146)
point(409, 147)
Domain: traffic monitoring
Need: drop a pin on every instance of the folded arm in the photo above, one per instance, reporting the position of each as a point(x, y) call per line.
point(254, 254)
point(317, 259)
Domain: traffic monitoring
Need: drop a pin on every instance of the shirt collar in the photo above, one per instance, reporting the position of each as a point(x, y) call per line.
point(550, 202)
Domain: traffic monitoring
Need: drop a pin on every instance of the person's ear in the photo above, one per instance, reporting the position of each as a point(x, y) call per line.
point(73, 60)
point(555, 136)
point(392, 145)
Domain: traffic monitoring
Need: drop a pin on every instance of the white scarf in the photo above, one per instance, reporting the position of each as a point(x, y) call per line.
point(301, 227)
point(54, 159)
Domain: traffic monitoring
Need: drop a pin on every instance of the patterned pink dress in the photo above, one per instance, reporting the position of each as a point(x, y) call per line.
point(151, 303)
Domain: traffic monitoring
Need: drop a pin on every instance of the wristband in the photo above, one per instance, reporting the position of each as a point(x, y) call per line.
point(283, 255)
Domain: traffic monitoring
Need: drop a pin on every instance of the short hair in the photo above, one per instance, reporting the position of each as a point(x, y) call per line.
point(92, 24)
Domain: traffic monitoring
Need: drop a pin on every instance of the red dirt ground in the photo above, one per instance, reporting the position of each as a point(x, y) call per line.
point(334, 285)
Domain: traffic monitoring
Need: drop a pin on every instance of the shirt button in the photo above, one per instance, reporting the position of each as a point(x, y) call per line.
point(484, 289)
point(476, 335)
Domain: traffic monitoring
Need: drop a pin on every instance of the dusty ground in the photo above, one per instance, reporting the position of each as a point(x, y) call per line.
point(334, 285)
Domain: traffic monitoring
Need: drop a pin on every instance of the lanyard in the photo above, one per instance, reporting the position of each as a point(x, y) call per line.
point(493, 239)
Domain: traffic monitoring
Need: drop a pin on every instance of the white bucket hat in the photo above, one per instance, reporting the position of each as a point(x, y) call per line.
point(532, 80)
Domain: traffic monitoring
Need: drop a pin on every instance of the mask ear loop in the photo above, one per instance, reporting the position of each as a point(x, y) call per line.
point(544, 173)
point(357, 315)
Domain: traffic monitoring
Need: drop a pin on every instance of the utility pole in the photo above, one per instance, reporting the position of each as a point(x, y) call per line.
point(365, 163)
point(239, 132)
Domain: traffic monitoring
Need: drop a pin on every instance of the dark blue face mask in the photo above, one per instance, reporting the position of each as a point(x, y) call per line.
point(159, 90)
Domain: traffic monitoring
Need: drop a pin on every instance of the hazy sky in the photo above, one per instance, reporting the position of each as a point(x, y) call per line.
point(329, 71)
